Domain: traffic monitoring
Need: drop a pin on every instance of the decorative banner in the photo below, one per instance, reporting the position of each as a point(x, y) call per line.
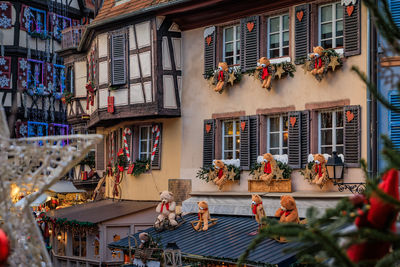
point(126, 132)
point(5, 71)
point(250, 26)
point(5, 13)
point(156, 130)
point(300, 15)
point(350, 116)
point(110, 104)
point(243, 125)
point(208, 128)
point(350, 10)
point(293, 121)
point(22, 73)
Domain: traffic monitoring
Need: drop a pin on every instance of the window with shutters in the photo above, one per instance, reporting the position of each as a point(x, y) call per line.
point(330, 25)
point(231, 48)
point(118, 57)
point(231, 139)
point(278, 36)
point(330, 131)
point(144, 142)
point(277, 134)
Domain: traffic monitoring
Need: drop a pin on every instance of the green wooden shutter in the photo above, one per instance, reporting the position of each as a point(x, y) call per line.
point(208, 142)
point(118, 58)
point(352, 135)
point(156, 163)
point(305, 137)
point(352, 31)
point(249, 42)
point(295, 139)
point(100, 165)
point(301, 32)
point(209, 49)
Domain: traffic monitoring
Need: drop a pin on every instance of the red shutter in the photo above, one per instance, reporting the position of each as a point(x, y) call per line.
point(22, 73)
point(110, 106)
point(5, 72)
point(6, 15)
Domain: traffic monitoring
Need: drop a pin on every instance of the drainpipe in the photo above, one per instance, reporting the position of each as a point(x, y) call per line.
point(372, 129)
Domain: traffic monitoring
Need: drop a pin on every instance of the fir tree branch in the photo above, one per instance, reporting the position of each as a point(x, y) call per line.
point(390, 259)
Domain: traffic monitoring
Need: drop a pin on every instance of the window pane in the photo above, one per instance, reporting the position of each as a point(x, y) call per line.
point(237, 128)
point(229, 61)
point(274, 24)
point(339, 42)
point(228, 155)
point(228, 34)
point(237, 33)
point(228, 127)
point(326, 150)
point(228, 143)
point(237, 154)
point(75, 245)
point(83, 245)
point(339, 118)
point(326, 30)
point(326, 120)
point(339, 137)
point(143, 146)
point(274, 40)
point(143, 132)
point(285, 139)
point(326, 137)
point(285, 39)
point(286, 22)
point(274, 124)
point(339, 28)
point(237, 142)
point(229, 50)
point(274, 151)
point(339, 11)
point(274, 53)
point(285, 120)
point(284, 151)
point(285, 51)
point(326, 13)
point(238, 48)
point(326, 44)
point(339, 149)
point(274, 140)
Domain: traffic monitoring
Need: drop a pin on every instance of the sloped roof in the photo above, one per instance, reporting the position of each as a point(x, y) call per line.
point(100, 211)
point(226, 240)
point(109, 9)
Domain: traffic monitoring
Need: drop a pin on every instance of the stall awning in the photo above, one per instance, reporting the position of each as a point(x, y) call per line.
point(41, 199)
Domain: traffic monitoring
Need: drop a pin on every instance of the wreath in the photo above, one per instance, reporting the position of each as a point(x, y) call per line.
point(320, 63)
point(223, 77)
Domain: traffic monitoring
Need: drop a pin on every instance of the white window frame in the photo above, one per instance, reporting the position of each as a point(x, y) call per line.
point(234, 138)
point(334, 128)
point(281, 131)
point(333, 21)
point(281, 31)
point(148, 153)
point(234, 41)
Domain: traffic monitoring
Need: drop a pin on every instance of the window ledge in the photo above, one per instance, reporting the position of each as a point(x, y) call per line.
point(279, 60)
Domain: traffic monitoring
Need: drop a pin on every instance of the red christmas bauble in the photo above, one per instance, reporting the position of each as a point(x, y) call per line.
point(4, 247)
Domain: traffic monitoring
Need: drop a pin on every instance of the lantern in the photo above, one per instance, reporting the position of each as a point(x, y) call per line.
point(335, 167)
point(172, 255)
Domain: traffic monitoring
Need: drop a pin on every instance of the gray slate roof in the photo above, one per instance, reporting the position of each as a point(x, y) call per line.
point(227, 240)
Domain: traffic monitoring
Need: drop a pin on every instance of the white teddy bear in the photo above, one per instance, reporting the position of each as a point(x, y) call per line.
point(166, 209)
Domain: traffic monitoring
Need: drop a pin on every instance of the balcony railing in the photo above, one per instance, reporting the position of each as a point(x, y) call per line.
point(72, 36)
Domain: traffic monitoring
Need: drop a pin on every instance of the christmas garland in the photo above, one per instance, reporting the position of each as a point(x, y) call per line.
point(67, 97)
point(140, 166)
point(207, 173)
point(234, 75)
point(309, 172)
point(278, 70)
point(256, 170)
point(65, 223)
point(89, 160)
point(330, 60)
point(121, 162)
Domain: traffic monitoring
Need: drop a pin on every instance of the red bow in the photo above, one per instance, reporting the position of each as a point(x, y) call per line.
point(199, 214)
point(166, 205)
point(267, 168)
point(318, 169)
point(286, 212)
point(264, 73)
point(318, 62)
point(221, 75)
point(255, 207)
point(220, 173)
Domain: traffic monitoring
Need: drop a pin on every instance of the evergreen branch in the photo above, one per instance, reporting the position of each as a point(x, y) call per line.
point(390, 259)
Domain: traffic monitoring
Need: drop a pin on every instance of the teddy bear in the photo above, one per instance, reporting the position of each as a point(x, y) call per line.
point(257, 208)
point(204, 216)
point(220, 173)
point(317, 56)
point(263, 65)
point(221, 76)
point(166, 209)
point(288, 211)
point(320, 170)
point(269, 166)
point(144, 240)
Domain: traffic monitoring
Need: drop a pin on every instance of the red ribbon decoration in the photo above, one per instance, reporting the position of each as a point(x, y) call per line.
point(267, 168)
point(286, 212)
point(255, 207)
point(318, 62)
point(199, 214)
point(318, 169)
point(264, 73)
point(221, 75)
point(220, 173)
point(166, 205)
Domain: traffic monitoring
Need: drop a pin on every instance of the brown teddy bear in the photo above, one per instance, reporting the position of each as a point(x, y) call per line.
point(220, 173)
point(269, 168)
point(266, 77)
point(166, 209)
point(204, 216)
point(288, 210)
point(318, 63)
point(257, 208)
point(222, 76)
point(321, 174)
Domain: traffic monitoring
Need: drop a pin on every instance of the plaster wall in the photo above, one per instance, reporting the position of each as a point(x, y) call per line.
point(199, 102)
